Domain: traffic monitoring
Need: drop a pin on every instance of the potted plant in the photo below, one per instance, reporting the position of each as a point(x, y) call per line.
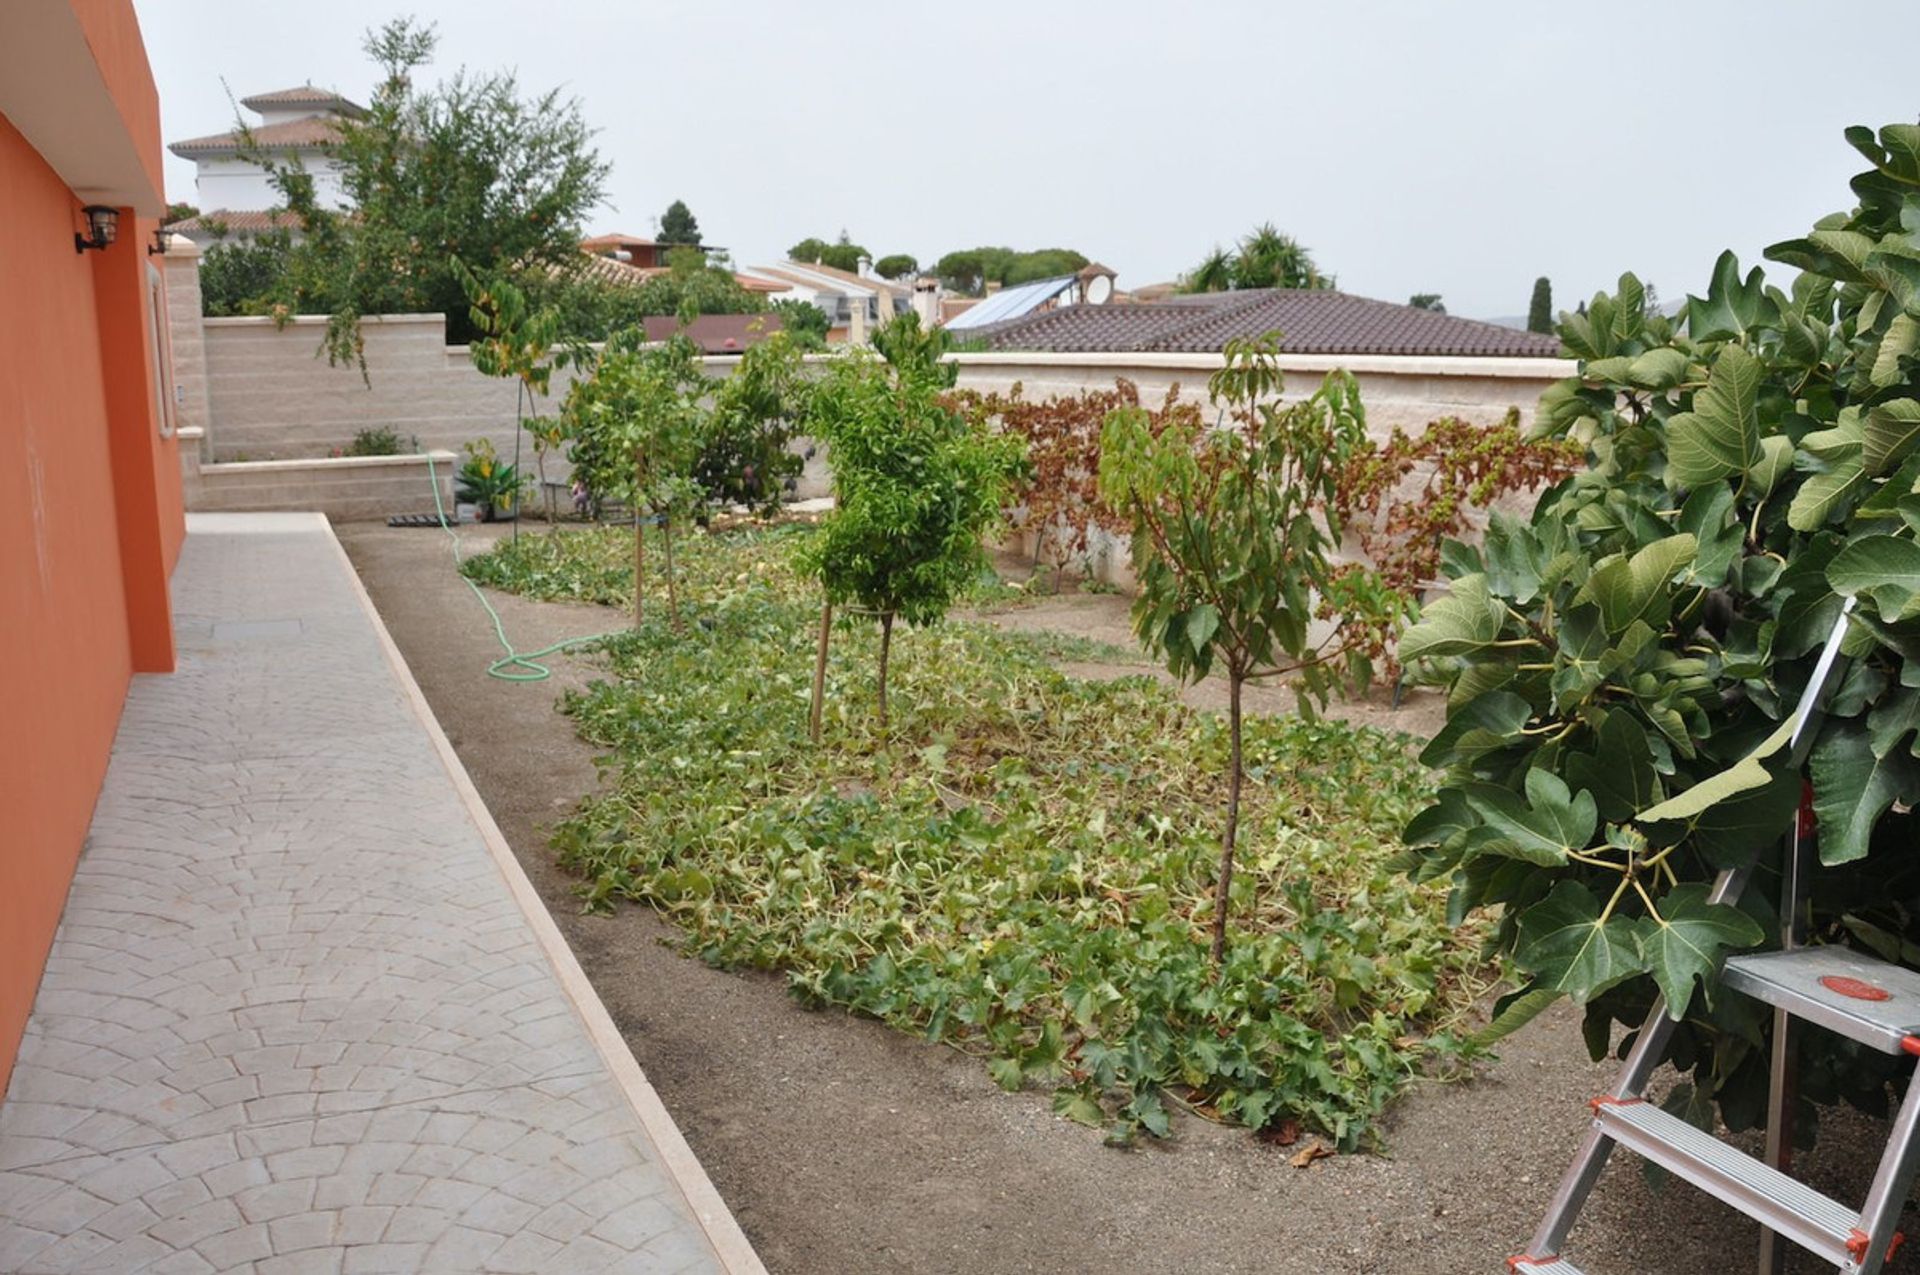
point(491, 485)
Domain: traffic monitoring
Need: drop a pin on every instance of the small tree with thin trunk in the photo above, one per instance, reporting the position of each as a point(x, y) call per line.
point(515, 340)
point(916, 487)
point(637, 427)
point(1233, 534)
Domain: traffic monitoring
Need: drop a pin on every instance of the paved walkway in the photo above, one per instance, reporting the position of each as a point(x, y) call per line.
point(303, 1013)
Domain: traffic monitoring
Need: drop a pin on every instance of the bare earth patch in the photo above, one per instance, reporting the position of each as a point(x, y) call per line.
point(844, 1146)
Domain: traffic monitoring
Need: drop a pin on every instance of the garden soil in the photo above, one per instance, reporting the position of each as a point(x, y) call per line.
point(846, 1147)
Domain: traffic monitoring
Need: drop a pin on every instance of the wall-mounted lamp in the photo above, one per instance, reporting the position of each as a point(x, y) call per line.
point(159, 244)
point(103, 224)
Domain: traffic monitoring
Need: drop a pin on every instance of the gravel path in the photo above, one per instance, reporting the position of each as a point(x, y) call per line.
point(843, 1146)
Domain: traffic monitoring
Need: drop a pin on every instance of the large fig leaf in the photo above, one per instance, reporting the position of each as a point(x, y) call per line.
point(1464, 622)
point(1687, 939)
point(1543, 827)
point(1565, 945)
point(1852, 788)
point(1720, 437)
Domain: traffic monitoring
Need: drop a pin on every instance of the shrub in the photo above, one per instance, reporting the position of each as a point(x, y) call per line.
point(1061, 491)
point(375, 440)
point(1749, 462)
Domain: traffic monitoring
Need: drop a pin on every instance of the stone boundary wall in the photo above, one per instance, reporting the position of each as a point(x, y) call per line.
point(1397, 391)
point(345, 488)
point(257, 391)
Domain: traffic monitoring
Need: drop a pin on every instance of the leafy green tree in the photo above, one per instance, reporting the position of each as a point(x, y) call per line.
point(1042, 263)
point(1427, 301)
point(179, 212)
point(808, 250)
point(963, 272)
point(841, 254)
point(804, 321)
point(1213, 274)
point(1540, 309)
point(242, 276)
point(895, 266)
point(637, 426)
point(1234, 532)
point(745, 455)
point(695, 284)
point(469, 168)
point(916, 487)
point(916, 352)
point(1266, 258)
point(677, 226)
point(1622, 663)
point(515, 339)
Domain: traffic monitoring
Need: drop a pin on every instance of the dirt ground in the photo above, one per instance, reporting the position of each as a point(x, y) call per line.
point(845, 1147)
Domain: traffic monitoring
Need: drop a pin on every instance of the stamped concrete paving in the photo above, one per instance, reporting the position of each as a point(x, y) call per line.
point(296, 1019)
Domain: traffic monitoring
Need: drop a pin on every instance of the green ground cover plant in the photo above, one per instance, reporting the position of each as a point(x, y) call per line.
point(1024, 868)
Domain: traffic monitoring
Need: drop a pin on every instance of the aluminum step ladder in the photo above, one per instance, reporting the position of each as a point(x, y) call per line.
point(1835, 989)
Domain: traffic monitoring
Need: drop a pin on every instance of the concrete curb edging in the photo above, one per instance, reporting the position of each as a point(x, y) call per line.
point(716, 1220)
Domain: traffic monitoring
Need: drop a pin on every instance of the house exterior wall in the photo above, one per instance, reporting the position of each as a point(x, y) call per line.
point(90, 517)
point(238, 185)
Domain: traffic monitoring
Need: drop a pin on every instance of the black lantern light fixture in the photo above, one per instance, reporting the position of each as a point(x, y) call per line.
point(103, 225)
point(159, 244)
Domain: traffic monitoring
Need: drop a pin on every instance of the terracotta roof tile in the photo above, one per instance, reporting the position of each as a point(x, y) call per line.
point(1311, 322)
point(235, 221)
point(315, 130)
point(301, 95)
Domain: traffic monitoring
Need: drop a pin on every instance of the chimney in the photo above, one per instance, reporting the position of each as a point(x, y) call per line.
point(856, 320)
point(866, 267)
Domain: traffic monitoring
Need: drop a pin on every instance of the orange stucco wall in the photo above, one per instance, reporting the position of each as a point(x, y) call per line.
point(90, 520)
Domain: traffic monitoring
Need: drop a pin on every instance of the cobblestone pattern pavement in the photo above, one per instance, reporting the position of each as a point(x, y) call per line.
point(293, 1020)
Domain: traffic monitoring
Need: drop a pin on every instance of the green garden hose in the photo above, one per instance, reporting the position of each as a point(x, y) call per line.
point(513, 666)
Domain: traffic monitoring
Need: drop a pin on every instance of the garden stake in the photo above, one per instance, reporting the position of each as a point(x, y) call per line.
point(673, 600)
point(820, 672)
point(639, 546)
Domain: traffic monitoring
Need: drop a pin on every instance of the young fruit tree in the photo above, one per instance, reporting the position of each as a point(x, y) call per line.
point(513, 339)
point(1234, 530)
point(637, 426)
point(916, 487)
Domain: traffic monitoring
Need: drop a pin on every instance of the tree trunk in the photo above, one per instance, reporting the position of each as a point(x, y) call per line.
point(1223, 885)
point(673, 598)
point(820, 673)
point(886, 644)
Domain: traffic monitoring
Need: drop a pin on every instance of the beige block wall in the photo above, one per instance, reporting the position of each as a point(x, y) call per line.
point(273, 396)
point(1396, 390)
point(346, 489)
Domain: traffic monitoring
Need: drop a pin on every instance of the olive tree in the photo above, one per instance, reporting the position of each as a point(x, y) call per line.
point(916, 486)
point(1233, 541)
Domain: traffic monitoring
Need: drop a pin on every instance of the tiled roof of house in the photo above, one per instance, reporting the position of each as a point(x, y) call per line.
point(315, 130)
point(233, 221)
point(625, 274)
point(302, 95)
point(1315, 321)
point(606, 243)
point(872, 283)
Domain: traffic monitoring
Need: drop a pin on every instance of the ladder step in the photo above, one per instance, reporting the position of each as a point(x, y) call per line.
point(1793, 1209)
point(1546, 1266)
point(1853, 993)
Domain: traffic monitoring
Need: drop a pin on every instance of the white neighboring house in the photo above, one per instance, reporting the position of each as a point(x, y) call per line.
point(855, 303)
point(235, 192)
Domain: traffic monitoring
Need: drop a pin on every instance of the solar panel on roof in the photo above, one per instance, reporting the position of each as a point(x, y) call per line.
point(1010, 303)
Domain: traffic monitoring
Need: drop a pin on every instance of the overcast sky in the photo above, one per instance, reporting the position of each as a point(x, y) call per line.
point(1413, 146)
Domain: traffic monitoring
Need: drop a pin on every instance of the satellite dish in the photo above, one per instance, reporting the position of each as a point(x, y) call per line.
point(1099, 290)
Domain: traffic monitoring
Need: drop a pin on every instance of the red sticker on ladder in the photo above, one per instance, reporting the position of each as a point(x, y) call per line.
point(1854, 988)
